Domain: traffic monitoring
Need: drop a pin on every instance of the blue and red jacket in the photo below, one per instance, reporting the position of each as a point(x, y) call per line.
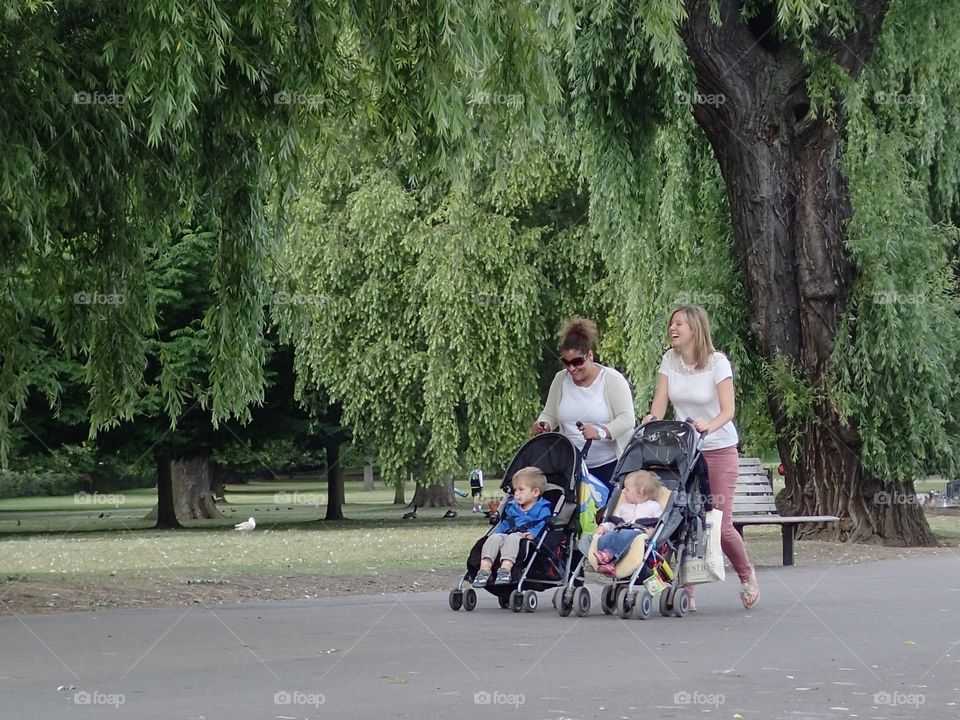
point(514, 519)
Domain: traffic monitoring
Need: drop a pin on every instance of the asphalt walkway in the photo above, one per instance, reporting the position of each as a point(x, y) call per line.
point(874, 640)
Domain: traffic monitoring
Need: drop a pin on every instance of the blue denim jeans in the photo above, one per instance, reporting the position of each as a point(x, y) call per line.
point(617, 541)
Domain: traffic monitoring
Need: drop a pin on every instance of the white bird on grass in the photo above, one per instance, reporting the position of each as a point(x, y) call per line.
point(246, 526)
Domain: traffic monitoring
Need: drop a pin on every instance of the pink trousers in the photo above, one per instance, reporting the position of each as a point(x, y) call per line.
point(724, 468)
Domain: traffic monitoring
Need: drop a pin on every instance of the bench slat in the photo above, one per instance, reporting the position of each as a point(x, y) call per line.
point(754, 504)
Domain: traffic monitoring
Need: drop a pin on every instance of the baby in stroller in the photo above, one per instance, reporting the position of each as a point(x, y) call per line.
point(524, 517)
point(636, 515)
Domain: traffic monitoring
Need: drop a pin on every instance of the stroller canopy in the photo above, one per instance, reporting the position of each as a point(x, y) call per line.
point(553, 453)
point(661, 445)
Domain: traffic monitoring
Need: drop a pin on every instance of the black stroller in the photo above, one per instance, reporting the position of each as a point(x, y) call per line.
point(671, 449)
point(546, 562)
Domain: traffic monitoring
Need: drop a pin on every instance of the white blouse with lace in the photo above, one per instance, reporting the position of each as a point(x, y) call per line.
point(693, 393)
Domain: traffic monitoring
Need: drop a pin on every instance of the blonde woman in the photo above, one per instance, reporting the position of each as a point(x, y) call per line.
point(698, 382)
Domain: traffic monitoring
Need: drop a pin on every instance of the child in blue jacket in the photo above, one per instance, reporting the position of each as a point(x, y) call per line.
point(524, 516)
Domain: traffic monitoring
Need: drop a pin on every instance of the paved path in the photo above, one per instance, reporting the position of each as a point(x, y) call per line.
point(876, 640)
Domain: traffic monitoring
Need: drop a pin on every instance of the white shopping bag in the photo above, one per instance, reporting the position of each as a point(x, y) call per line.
point(709, 568)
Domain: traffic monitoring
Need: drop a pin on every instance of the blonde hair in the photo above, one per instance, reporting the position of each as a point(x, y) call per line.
point(699, 323)
point(578, 333)
point(644, 482)
point(532, 477)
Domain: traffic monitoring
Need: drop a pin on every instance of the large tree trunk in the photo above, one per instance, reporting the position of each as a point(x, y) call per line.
point(789, 202)
point(184, 491)
point(368, 484)
point(335, 490)
point(435, 495)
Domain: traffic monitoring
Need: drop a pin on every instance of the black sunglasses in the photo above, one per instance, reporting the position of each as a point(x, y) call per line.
point(574, 362)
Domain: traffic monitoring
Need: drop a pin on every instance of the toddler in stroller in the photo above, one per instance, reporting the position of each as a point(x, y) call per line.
point(532, 546)
point(646, 568)
point(524, 518)
point(636, 515)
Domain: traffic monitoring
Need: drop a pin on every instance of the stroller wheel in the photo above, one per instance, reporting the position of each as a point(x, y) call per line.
point(530, 601)
point(681, 602)
point(581, 601)
point(516, 601)
point(608, 599)
point(562, 606)
point(504, 601)
point(666, 607)
point(625, 601)
point(644, 607)
point(455, 599)
point(469, 599)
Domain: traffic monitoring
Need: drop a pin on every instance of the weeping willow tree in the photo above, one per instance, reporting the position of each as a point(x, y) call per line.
point(790, 165)
point(808, 152)
point(422, 314)
point(126, 127)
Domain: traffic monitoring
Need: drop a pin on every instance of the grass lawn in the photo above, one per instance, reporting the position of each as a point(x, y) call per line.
point(62, 544)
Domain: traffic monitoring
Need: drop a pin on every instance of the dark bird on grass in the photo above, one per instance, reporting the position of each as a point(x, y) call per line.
point(450, 514)
point(412, 515)
point(100, 515)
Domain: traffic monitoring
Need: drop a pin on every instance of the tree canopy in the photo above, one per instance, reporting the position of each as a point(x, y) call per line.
point(436, 185)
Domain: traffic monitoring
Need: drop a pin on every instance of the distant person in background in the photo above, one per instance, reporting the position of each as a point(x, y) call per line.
point(588, 401)
point(476, 489)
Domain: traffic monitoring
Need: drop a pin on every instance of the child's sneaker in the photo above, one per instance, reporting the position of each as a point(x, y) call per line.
point(481, 579)
point(603, 557)
point(503, 576)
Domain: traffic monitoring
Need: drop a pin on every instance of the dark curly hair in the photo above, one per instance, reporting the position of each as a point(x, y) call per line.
point(578, 333)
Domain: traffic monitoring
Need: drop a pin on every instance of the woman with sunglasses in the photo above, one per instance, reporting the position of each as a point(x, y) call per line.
point(588, 401)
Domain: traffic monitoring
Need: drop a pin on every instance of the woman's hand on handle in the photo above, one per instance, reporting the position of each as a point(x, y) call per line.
point(539, 427)
point(589, 432)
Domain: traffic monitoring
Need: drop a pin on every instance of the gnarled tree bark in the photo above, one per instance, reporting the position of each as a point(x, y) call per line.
point(789, 203)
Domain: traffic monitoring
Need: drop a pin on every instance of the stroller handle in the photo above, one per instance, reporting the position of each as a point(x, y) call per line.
point(700, 435)
point(586, 445)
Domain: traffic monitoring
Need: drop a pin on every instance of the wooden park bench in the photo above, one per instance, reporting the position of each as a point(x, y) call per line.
point(753, 504)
